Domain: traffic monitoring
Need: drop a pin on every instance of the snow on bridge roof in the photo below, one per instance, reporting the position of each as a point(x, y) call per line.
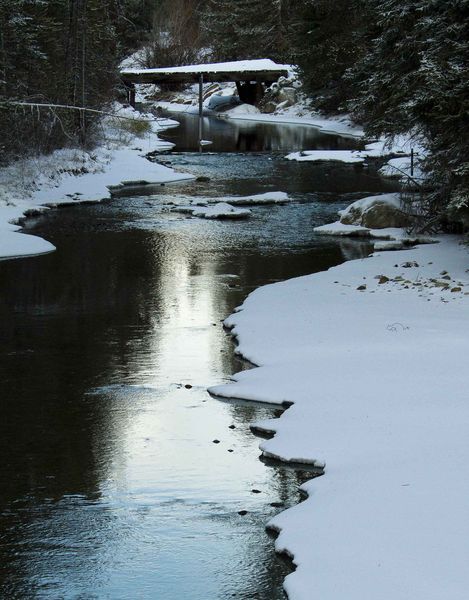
point(241, 70)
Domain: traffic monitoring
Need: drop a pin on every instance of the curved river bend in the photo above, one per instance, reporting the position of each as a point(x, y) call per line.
point(111, 485)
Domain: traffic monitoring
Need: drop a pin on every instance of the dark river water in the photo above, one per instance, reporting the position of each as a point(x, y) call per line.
point(111, 485)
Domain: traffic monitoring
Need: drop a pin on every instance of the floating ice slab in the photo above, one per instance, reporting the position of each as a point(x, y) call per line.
point(220, 210)
point(265, 198)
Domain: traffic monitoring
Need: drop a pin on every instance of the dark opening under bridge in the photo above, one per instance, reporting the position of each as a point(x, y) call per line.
point(250, 77)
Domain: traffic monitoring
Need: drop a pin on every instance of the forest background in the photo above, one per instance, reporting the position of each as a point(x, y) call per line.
point(396, 66)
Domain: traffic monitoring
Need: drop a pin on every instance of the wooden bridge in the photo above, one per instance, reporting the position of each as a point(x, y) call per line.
point(250, 77)
point(244, 72)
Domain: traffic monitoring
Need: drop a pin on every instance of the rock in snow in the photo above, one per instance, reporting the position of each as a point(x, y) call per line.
point(376, 212)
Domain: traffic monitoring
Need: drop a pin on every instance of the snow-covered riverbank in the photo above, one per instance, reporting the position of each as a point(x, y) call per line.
point(76, 176)
point(373, 355)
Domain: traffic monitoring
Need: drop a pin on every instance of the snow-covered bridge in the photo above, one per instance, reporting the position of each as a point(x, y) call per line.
point(261, 70)
point(249, 76)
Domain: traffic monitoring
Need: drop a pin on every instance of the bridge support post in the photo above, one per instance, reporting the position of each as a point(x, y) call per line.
point(130, 91)
point(201, 110)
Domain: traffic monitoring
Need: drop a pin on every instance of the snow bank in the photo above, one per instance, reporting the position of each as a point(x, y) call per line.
point(220, 210)
point(338, 126)
point(392, 238)
point(346, 156)
point(373, 354)
point(242, 110)
point(379, 217)
point(372, 150)
point(78, 176)
point(14, 244)
point(400, 166)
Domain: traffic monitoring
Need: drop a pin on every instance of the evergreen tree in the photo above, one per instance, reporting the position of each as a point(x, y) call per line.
point(174, 38)
point(416, 79)
point(247, 28)
point(59, 52)
point(330, 38)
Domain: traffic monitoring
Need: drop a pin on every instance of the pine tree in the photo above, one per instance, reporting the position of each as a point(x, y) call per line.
point(59, 52)
point(247, 28)
point(416, 79)
point(331, 38)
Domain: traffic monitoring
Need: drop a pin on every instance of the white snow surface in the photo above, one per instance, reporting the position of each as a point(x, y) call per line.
point(336, 125)
point(264, 198)
point(392, 237)
point(262, 64)
point(14, 244)
point(220, 210)
point(379, 383)
point(69, 176)
point(188, 202)
point(363, 204)
point(346, 156)
point(372, 150)
point(395, 236)
point(400, 166)
point(242, 110)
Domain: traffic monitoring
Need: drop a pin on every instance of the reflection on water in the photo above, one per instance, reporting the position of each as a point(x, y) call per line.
point(227, 135)
point(111, 485)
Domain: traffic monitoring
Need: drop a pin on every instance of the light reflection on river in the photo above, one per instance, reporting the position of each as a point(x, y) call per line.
point(111, 485)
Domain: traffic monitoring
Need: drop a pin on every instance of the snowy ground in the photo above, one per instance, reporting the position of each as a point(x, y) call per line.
point(77, 176)
point(373, 356)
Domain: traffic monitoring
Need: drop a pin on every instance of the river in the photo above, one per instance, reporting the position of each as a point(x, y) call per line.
point(120, 476)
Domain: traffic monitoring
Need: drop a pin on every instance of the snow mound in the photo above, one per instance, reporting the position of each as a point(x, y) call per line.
point(364, 204)
point(377, 217)
point(242, 109)
point(376, 212)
